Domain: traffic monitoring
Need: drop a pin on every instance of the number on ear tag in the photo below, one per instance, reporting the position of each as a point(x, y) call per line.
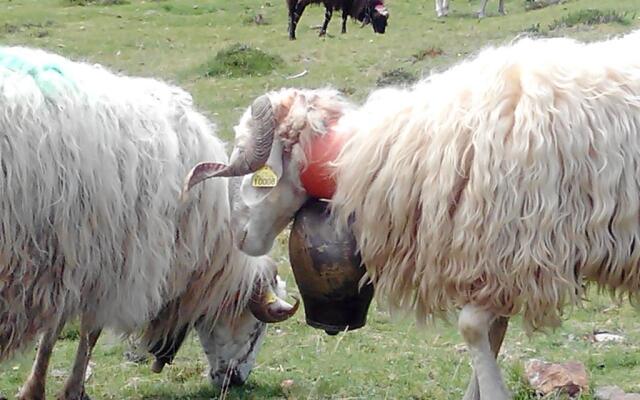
point(264, 177)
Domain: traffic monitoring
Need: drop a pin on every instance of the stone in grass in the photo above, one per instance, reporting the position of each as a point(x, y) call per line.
point(545, 378)
point(614, 393)
point(286, 386)
point(604, 337)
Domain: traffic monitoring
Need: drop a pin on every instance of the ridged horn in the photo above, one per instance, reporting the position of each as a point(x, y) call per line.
point(267, 307)
point(247, 158)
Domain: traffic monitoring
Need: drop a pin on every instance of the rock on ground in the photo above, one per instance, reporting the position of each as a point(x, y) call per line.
point(545, 378)
point(614, 393)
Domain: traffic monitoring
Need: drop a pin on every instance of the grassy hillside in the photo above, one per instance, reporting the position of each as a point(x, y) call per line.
point(217, 51)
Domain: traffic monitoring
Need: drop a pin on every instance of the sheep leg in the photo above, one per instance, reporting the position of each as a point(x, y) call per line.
point(74, 387)
point(328, 13)
point(345, 15)
point(295, 15)
point(439, 11)
point(482, 9)
point(292, 32)
point(474, 325)
point(166, 349)
point(34, 387)
point(497, 332)
point(442, 8)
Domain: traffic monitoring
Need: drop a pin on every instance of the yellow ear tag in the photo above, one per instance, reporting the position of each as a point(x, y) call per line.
point(264, 177)
point(271, 297)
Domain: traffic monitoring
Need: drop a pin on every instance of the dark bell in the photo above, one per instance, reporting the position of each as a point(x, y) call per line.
point(328, 270)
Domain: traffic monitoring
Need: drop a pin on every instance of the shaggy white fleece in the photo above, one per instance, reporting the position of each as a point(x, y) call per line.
point(91, 167)
point(501, 182)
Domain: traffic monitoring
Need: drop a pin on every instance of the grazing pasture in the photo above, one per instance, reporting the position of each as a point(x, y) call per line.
point(228, 52)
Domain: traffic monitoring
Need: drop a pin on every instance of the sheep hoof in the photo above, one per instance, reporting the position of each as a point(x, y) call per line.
point(67, 395)
point(157, 366)
point(31, 392)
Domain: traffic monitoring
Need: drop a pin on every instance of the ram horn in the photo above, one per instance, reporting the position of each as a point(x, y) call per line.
point(247, 157)
point(266, 306)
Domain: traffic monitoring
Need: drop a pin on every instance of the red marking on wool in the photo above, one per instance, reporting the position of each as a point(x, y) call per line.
point(317, 178)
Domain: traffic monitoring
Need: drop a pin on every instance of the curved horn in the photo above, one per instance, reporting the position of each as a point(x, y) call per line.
point(265, 120)
point(267, 307)
point(246, 158)
point(201, 172)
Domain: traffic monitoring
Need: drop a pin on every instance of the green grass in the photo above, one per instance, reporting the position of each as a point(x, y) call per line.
point(95, 2)
point(396, 77)
point(186, 8)
point(592, 16)
point(387, 359)
point(240, 60)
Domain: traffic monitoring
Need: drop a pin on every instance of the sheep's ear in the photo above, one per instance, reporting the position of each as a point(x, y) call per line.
point(275, 159)
point(257, 186)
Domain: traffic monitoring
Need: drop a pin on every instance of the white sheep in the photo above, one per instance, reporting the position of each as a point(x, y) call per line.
point(91, 166)
point(495, 187)
point(442, 8)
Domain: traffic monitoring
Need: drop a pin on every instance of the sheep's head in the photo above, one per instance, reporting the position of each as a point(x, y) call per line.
point(377, 14)
point(232, 343)
point(274, 139)
point(232, 333)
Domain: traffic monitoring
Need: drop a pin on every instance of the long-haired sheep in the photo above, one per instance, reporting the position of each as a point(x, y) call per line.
point(365, 11)
point(495, 187)
point(91, 217)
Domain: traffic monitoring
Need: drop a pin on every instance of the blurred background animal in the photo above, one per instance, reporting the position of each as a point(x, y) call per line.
point(442, 8)
point(365, 11)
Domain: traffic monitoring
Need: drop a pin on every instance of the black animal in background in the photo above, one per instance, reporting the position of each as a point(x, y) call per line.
point(365, 11)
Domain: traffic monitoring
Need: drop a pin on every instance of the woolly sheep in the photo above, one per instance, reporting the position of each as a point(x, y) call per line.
point(495, 187)
point(93, 225)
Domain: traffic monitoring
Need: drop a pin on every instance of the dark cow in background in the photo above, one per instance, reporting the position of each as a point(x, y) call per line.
point(365, 11)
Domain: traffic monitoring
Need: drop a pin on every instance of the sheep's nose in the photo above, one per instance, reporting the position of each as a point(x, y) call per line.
point(228, 378)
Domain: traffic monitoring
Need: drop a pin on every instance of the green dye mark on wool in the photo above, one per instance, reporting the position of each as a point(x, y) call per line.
point(49, 75)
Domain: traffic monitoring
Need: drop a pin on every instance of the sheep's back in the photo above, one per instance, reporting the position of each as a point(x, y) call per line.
point(502, 181)
point(92, 167)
